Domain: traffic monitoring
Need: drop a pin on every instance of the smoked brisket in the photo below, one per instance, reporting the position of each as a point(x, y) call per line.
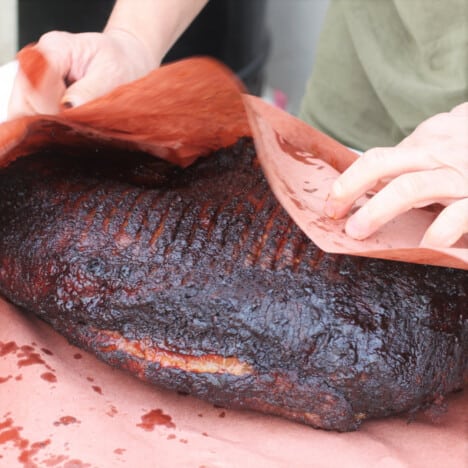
point(198, 280)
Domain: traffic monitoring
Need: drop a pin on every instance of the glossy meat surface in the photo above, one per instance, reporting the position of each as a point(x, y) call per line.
point(198, 280)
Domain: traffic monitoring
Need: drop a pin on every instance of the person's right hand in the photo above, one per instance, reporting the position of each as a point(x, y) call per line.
point(81, 67)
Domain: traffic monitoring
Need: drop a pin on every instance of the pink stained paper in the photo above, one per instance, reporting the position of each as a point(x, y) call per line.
point(301, 165)
point(178, 112)
point(59, 404)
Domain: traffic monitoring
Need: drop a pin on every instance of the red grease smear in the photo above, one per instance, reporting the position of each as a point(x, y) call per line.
point(12, 434)
point(33, 64)
point(77, 356)
point(97, 389)
point(6, 423)
point(49, 377)
point(26, 455)
point(112, 411)
point(19, 377)
point(66, 420)
point(155, 417)
point(55, 460)
point(47, 351)
point(89, 379)
point(119, 451)
point(5, 379)
point(7, 348)
point(76, 464)
point(30, 358)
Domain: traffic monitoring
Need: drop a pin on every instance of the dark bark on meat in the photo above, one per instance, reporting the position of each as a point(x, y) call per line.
point(197, 280)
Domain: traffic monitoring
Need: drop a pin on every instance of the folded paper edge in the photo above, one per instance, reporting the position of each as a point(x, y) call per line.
point(302, 136)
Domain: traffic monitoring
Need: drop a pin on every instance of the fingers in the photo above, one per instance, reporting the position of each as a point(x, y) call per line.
point(39, 85)
point(449, 226)
point(91, 63)
point(403, 193)
point(25, 100)
point(94, 84)
point(460, 110)
point(374, 165)
point(104, 73)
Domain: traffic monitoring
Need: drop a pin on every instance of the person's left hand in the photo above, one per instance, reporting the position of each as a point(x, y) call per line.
point(429, 166)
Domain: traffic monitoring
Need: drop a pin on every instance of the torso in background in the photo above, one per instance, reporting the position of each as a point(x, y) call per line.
point(383, 67)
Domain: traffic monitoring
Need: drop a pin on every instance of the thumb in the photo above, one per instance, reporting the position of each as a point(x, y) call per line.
point(97, 81)
point(91, 86)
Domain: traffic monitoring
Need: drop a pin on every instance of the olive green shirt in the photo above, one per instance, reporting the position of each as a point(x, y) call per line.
point(384, 66)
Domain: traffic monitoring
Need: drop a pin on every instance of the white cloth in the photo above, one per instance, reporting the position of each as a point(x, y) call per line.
point(7, 77)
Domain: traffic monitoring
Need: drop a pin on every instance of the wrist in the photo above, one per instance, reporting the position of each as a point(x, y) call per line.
point(131, 43)
point(156, 24)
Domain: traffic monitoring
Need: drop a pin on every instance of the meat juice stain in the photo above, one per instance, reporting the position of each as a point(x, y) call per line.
point(27, 455)
point(13, 434)
point(89, 379)
point(7, 423)
point(77, 356)
point(47, 351)
point(155, 417)
point(112, 411)
point(97, 389)
point(30, 357)
point(76, 464)
point(119, 451)
point(54, 460)
point(49, 377)
point(171, 437)
point(7, 348)
point(5, 379)
point(222, 414)
point(27, 357)
point(66, 420)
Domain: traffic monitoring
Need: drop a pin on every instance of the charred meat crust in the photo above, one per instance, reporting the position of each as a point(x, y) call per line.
point(176, 275)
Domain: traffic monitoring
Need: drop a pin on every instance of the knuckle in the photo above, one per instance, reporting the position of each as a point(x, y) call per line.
point(409, 186)
point(375, 157)
point(52, 38)
point(456, 182)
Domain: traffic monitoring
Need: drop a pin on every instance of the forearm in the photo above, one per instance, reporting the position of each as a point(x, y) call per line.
point(156, 23)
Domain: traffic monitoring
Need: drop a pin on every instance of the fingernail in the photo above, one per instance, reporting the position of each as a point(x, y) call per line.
point(331, 209)
point(337, 189)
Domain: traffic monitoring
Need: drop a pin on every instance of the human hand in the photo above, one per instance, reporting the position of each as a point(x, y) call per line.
point(429, 166)
point(81, 67)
